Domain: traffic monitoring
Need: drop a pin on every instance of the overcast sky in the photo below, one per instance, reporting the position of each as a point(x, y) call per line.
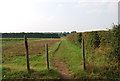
point(57, 15)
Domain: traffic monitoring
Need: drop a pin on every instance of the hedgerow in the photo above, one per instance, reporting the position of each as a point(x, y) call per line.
point(104, 47)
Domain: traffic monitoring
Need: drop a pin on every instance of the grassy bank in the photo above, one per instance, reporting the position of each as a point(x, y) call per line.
point(96, 62)
point(102, 53)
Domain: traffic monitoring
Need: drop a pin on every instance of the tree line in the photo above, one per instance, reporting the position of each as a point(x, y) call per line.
point(34, 35)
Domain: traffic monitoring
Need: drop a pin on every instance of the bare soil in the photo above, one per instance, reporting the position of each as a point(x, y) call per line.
point(62, 69)
point(35, 48)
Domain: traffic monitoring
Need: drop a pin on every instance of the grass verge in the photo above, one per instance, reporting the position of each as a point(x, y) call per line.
point(71, 54)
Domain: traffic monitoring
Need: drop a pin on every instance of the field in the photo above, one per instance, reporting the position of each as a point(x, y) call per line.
point(65, 55)
point(14, 62)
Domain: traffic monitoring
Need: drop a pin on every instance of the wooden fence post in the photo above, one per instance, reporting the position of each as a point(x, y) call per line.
point(83, 55)
point(27, 54)
point(47, 57)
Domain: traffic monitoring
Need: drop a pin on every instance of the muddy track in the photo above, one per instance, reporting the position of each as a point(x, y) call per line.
point(61, 66)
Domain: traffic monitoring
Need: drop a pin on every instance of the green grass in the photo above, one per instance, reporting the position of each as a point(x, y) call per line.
point(71, 54)
point(16, 67)
point(0, 71)
point(96, 63)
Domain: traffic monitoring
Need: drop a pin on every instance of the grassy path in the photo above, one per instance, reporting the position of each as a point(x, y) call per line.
point(61, 66)
point(67, 60)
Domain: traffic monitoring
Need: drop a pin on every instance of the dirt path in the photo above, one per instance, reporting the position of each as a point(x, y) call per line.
point(62, 68)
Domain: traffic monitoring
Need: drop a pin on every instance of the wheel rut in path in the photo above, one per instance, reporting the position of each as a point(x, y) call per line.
point(62, 68)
